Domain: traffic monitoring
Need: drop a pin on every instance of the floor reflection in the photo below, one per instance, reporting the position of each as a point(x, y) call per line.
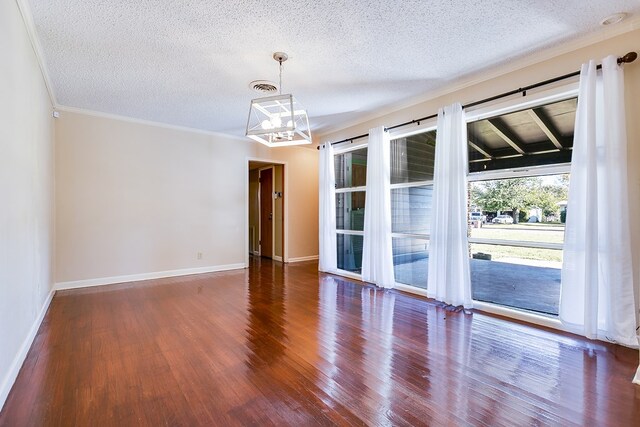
point(341, 344)
point(266, 327)
point(377, 318)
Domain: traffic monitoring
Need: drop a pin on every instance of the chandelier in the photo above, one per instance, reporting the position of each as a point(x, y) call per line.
point(279, 120)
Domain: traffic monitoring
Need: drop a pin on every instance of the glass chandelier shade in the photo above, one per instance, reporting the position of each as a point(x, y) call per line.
point(278, 121)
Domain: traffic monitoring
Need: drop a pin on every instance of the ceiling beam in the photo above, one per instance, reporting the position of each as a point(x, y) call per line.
point(546, 125)
point(478, 145)
point(532, 149)
point(517, 161)
point(481, 148)
point(504, 132)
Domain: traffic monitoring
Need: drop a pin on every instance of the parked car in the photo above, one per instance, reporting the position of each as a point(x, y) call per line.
point(502, 219)
point(477, 216)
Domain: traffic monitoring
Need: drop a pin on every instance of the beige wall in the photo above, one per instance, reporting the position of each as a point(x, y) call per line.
point(26, 194)
point(532, 74)
point(135, 198)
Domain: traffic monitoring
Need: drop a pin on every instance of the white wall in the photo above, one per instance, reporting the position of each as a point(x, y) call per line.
point(26, 194)
point(137, 199)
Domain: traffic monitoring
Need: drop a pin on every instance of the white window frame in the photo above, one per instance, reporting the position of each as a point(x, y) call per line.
point(560, 93)
point(427, 126)
point(557, 94)
point(344, 148)
point(534, 98)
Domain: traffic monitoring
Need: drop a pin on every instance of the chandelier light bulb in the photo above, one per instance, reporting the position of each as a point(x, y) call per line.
point(266, 124)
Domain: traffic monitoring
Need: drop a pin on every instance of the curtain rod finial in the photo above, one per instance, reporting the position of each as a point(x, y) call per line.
point(629, 57)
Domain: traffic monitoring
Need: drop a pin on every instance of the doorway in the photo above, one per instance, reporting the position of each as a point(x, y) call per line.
point(267, 204)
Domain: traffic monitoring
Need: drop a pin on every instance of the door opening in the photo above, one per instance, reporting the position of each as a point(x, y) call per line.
point(266, 210)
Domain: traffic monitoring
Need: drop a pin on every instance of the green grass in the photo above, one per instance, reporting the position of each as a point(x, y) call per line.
point(547, 233)
point(525, 232)
point(509, 252)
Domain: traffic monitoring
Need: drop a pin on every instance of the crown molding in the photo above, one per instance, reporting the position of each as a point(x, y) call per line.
point(27, 18)
point(633, 23)
point(100, 114)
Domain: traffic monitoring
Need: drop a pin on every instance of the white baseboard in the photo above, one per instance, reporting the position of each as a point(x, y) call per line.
point(636, 379)
point(10, 378)
point(145, 276)
point(256, 253)
point(304, 258)
point(277, 258)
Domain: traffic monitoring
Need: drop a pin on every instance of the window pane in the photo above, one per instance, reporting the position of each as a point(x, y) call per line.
point(349, 253)
point(412, 158)
point(411, 209)
point(530, 209)
point(532, 137)
point(350, 211)
point(410, 261)
point(351, 168)
point(524, 278)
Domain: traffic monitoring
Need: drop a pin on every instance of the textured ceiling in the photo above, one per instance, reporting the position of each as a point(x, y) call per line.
point(189, 62)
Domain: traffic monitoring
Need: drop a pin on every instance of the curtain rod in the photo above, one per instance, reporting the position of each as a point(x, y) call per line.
point(629, 57)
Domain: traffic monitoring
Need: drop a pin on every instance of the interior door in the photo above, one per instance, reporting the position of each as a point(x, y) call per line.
point(266, 213)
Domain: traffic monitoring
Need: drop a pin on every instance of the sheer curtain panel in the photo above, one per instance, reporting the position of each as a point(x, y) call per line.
point(377, 253)
point(449, 280)
point(327, 216)
point(597, 280)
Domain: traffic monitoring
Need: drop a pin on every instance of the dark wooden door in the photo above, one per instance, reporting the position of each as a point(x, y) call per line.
point(266, 213)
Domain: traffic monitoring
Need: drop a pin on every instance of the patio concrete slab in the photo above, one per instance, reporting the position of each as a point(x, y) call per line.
point(513, 285)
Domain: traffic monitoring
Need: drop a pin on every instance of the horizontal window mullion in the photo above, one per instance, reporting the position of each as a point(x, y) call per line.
point(516, 243)
point(559, 168)
point(345, 147)
point(410, 236)
point(350, 189)
point(350, 232)
point(411, 184)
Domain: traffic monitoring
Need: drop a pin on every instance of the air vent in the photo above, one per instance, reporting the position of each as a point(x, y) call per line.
point(263, 86)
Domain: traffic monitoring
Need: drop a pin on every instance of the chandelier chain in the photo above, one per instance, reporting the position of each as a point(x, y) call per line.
point(280, 85)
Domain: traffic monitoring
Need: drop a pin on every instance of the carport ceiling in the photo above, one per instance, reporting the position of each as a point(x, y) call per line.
point(189, 62)
point(530, 137)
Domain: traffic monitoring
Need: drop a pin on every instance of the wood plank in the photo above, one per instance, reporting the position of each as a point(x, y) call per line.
point(477, 145)
point(285, 345)
point(546, 125)
point(504, 132)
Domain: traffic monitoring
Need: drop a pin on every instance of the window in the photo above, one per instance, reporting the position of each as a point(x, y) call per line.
point(351, 175)
point(412, 161)
point(519, 176)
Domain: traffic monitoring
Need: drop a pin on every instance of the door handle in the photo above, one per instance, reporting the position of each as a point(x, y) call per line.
point(270, 215)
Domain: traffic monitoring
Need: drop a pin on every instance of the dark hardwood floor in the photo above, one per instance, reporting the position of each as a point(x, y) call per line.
point(276, 345)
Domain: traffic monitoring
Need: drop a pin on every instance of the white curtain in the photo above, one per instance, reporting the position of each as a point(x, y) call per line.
point(377, 253)
point(449, 280)
point(597, 280)
point(327, 216)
